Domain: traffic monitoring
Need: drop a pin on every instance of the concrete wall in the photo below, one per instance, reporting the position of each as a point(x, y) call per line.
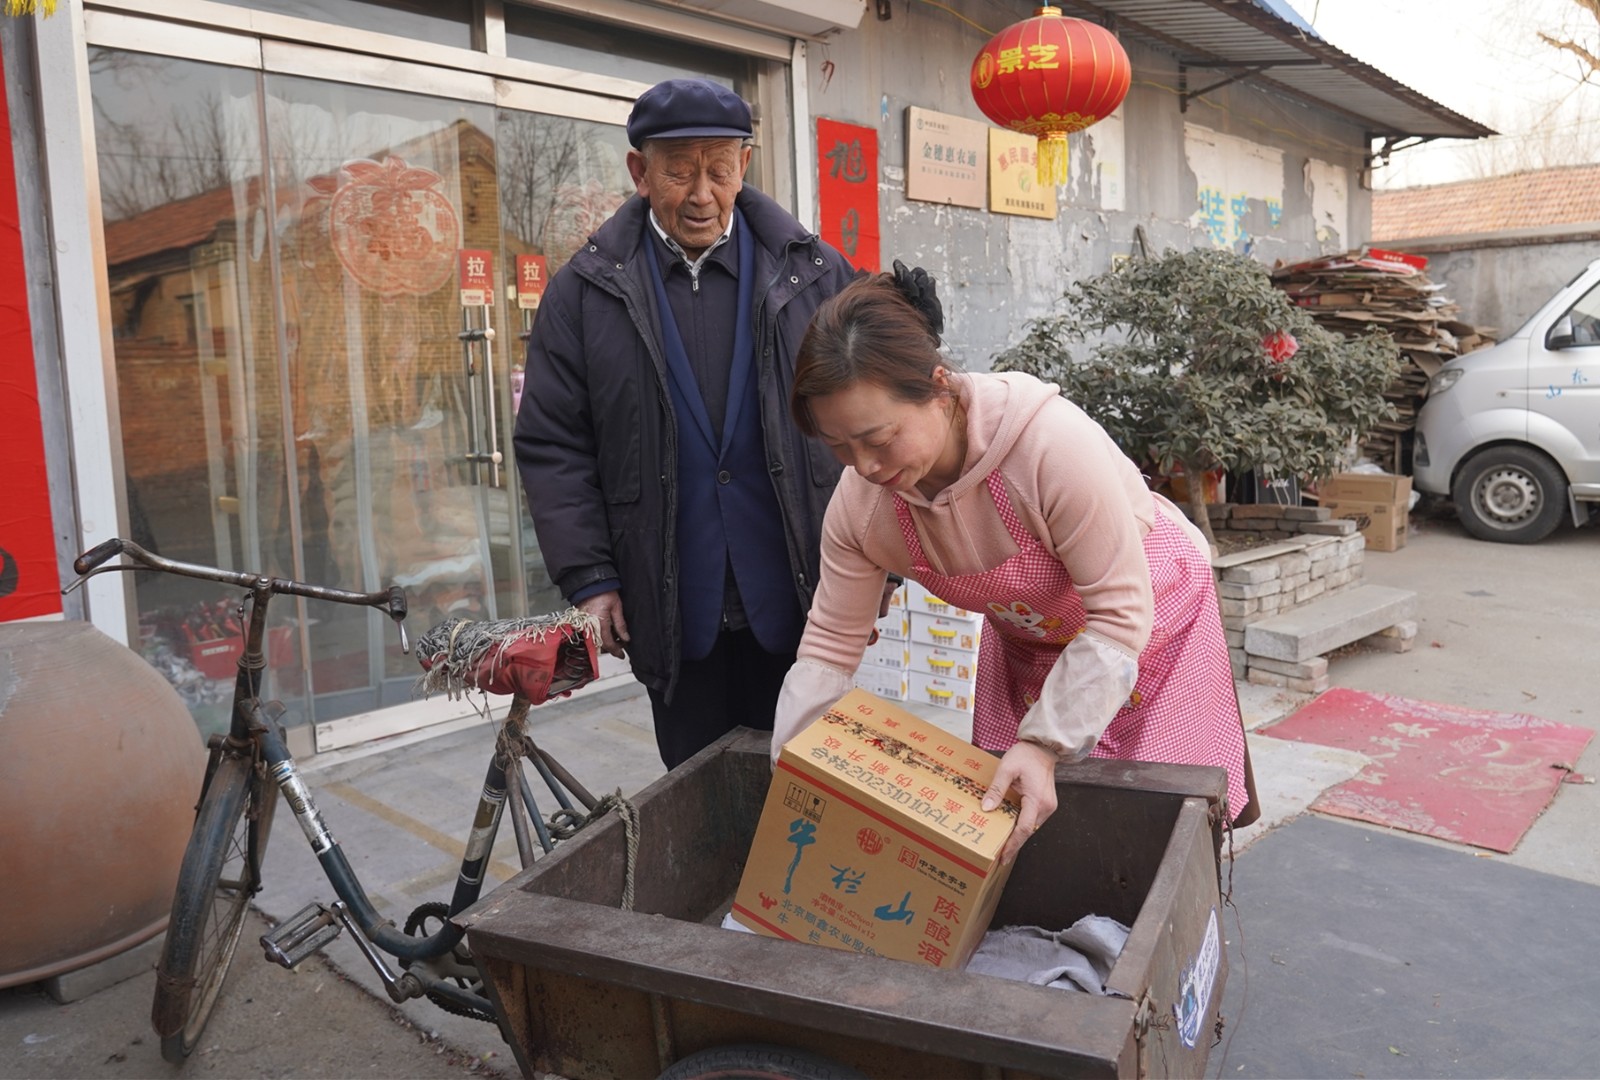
point(997, 271)
point(1502, 287)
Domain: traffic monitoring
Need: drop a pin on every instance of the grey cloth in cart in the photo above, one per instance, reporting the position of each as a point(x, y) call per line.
point(1077, 958)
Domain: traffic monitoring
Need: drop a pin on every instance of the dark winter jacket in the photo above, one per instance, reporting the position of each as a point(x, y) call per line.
point(596, 440)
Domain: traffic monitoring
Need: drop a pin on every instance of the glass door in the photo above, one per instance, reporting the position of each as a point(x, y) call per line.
point(200, 387)
point(560, 179)
point(378, 194)
point(304, 258)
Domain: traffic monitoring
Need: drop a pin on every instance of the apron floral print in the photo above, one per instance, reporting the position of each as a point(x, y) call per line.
point(1182, 709)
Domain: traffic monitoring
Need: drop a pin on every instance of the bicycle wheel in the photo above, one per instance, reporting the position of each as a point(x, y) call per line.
point(220, 872)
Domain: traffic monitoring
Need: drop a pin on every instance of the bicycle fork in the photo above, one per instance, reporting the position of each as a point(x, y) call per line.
point(315, 926)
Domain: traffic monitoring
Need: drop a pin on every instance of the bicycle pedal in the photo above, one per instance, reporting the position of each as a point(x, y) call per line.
point(300, 935)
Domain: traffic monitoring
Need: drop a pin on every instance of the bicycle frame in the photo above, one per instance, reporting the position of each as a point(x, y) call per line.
point(255, 734)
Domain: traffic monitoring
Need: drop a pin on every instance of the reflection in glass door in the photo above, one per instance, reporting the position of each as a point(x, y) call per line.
point(560, 179)
point(199, 382)
point(378, 192)
point(297, 392)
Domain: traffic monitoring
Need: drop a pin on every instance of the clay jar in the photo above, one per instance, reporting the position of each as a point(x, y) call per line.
point(100, 768)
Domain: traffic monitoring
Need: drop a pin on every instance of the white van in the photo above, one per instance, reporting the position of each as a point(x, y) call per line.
point(1512, 433)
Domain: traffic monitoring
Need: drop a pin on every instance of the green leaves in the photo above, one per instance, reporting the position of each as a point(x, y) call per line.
point(1173, 367)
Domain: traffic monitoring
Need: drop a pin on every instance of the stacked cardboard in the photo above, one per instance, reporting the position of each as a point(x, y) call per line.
point(885, 668)
point(944, 650)
point(1353, 292)
point(926, 650)
point(1380, 505)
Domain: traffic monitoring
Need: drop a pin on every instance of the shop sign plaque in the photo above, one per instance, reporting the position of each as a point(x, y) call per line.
point(945, 158)
point(1014, 186)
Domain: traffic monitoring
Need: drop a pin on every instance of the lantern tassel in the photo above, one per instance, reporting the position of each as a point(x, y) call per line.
point(28, 7)
point(1053, 158)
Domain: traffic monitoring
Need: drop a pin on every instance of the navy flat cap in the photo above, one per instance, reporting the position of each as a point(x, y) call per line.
point(688, 109)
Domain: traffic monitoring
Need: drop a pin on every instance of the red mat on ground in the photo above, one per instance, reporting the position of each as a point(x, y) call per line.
point(1474, 777)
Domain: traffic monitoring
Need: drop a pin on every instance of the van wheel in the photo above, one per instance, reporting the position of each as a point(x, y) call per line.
point(1510, 494)
point(758, 1061)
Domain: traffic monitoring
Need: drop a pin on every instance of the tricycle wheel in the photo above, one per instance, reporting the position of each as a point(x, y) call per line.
point(758, 1061)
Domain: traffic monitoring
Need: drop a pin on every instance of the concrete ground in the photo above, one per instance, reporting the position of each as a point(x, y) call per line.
point(1500, 627)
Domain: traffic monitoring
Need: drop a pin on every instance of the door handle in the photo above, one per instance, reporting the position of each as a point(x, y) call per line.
point(491, 400)
point(489, 454)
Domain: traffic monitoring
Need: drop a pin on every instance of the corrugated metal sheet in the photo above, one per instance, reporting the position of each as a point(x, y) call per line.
point(1247, 32)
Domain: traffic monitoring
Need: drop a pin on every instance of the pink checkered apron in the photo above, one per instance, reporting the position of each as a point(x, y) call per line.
point(1182, 710)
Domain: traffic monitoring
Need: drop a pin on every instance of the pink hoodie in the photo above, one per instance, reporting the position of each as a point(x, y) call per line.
point(1073, 488)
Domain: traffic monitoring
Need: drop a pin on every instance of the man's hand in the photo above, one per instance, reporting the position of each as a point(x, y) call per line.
point(1030, 770)
point(607, 607)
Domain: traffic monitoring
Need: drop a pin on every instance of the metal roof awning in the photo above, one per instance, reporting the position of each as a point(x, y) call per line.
point(1224, 40)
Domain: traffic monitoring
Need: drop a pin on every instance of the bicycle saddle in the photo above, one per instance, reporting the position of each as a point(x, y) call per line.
point(538, 656)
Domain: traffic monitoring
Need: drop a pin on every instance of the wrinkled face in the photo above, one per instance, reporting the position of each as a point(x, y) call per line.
point(691, 185)
point(895, 444)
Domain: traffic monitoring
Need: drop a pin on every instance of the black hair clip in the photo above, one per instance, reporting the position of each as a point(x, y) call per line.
point(917, 286)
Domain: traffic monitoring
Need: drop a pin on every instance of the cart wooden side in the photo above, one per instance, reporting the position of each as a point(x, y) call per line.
point(586, 990)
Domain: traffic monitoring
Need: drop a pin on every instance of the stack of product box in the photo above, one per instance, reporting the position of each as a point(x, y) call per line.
point(944, 650)
point(887, 664)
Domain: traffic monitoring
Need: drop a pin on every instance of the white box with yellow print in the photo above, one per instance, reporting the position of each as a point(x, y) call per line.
point(953, 694)
point(945, 632)
point(956, 665)
point(889, 683)
point(888, 653)
point(920, 599)
point(895, 626)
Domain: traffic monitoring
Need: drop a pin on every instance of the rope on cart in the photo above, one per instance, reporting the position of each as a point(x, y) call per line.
point(565, 823)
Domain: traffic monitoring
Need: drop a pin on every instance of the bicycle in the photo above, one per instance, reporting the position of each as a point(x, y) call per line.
point(221, 867)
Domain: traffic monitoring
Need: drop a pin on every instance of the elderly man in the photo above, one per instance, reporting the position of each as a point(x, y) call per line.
point(672, 497)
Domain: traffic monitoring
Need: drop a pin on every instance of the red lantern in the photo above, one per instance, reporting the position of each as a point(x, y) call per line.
point(1049, 76)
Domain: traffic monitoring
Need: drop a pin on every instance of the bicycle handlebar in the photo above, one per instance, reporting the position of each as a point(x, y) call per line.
point(97, 555)
point(392, 600)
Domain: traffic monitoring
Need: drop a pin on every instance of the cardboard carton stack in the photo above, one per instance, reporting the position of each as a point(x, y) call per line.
point(1359, 290)
point(873, 839)
point(944, 650)
point(1379, 504)
point(886, 666)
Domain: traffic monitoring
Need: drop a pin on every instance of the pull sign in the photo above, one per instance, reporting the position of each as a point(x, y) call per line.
point(531, 276)
point(477, 268)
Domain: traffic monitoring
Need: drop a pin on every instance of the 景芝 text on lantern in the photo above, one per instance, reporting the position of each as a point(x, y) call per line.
point(1048, 76)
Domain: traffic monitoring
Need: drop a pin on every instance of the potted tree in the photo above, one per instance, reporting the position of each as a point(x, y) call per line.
point(1195, 359)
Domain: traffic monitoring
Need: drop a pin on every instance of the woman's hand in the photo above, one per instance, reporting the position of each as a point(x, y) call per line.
point(1030, 770)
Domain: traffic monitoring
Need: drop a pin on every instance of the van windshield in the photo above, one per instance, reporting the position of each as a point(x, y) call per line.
point(1587, 305)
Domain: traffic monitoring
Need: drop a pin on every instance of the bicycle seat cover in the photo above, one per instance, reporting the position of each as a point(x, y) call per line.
point(538, 657)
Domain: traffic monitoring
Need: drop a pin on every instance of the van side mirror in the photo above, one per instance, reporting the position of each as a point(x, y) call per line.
point(1560, 335)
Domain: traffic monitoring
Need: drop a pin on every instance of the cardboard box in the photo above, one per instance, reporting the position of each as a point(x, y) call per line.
point(888, 653)
point(959, 665)
point(953, 694)
point(897, 601)
point(920, 599)
point(887, 683)
point(945, 632)
point(872, 840)
point(896, 625)
point(1379, 503)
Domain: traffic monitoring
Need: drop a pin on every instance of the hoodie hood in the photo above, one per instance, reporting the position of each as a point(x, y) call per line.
point(1002, 405)
point(999, 407)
